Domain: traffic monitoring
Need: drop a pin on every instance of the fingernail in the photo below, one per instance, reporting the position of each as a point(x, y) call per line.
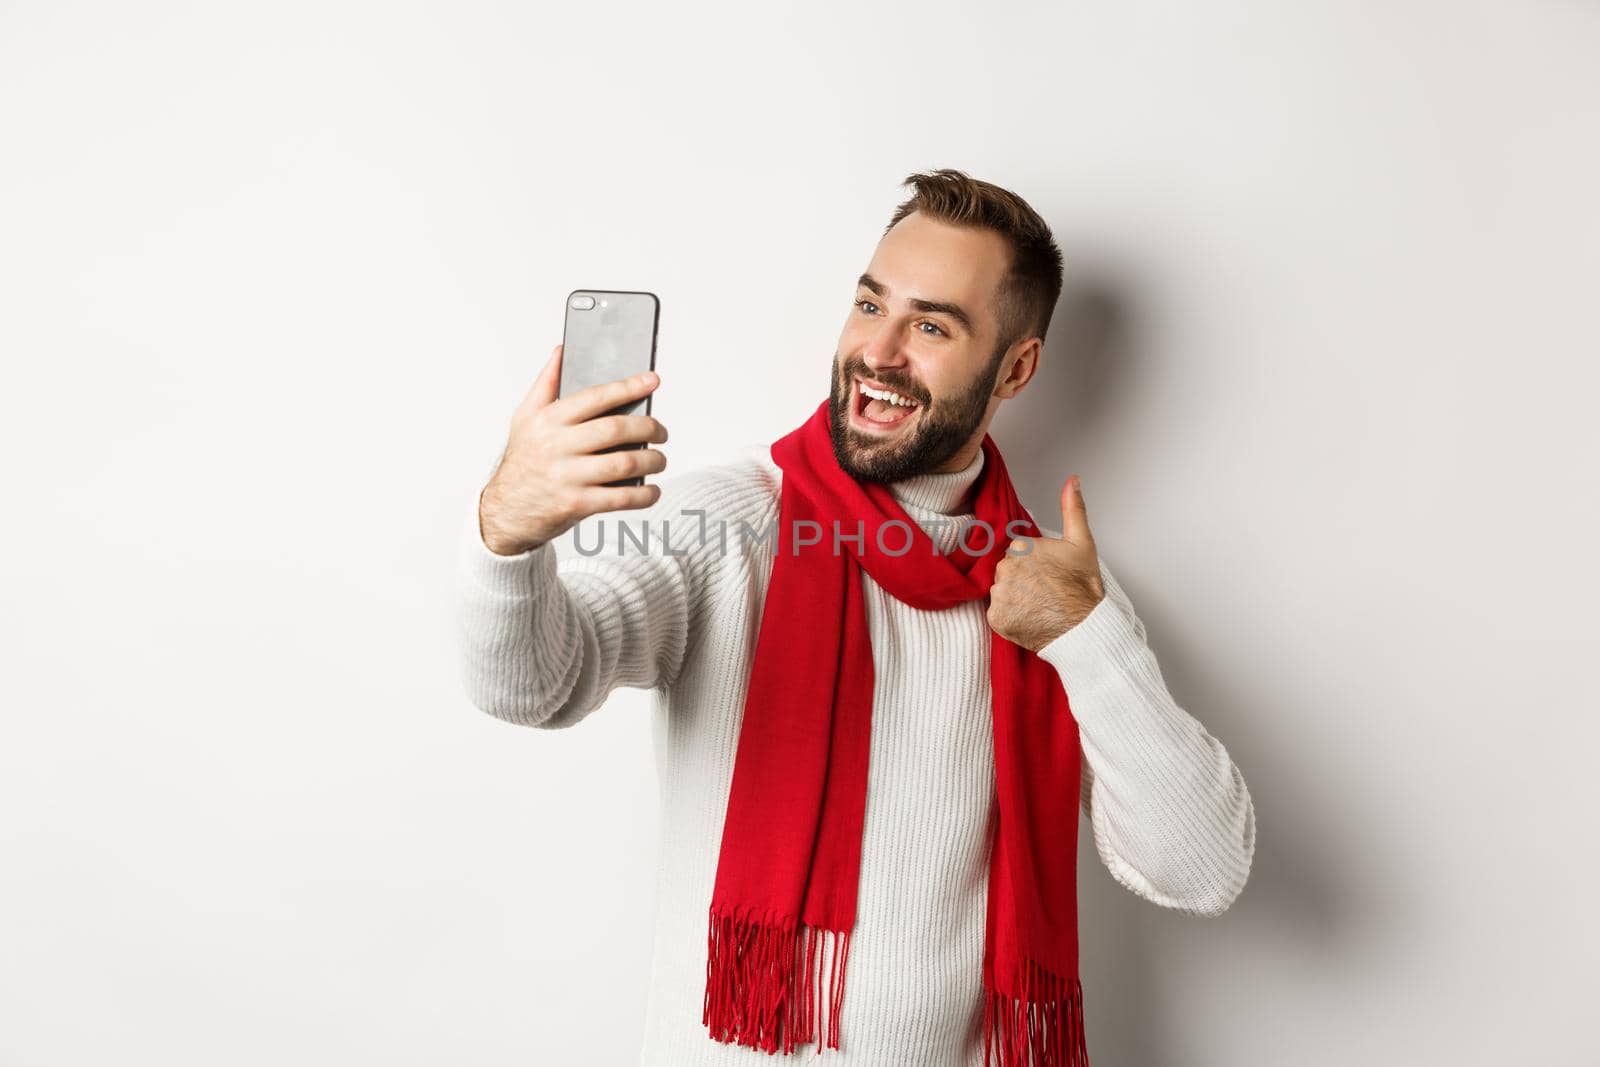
point(648, 377)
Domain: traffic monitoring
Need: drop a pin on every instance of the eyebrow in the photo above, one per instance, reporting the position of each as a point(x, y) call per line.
point(941, 307)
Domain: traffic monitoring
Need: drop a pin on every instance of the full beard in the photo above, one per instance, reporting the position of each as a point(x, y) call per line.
point(942, 428)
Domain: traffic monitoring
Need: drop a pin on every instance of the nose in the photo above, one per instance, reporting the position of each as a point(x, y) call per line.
point(883, 351)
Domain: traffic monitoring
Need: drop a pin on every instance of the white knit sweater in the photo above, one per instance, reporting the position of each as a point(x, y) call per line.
point(545, 638)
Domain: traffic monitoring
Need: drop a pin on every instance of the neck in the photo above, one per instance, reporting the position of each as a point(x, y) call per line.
point(962, 459)
point(974, 446)
point(947, 492)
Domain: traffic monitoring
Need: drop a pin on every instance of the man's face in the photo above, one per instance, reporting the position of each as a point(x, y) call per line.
point(923, 326)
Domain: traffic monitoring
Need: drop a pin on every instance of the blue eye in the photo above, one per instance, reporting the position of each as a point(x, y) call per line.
point(865, 304)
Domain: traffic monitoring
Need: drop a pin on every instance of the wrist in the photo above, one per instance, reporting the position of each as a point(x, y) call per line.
point(495, 537)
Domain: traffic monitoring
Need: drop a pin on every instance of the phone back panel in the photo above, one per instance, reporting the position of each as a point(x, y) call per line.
point(616, 339)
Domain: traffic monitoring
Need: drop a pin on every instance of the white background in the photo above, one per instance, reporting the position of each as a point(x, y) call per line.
point(272, 278)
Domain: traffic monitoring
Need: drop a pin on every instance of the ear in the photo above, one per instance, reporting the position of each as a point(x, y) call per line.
point(1017, 367)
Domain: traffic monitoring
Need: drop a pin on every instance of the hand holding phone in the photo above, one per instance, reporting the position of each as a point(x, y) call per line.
point(568, 452)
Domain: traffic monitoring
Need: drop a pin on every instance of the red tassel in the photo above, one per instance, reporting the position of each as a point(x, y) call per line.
point(1042, 1028)
point(759, 993)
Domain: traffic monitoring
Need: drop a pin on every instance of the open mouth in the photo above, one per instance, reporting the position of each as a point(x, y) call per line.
point(881, 408)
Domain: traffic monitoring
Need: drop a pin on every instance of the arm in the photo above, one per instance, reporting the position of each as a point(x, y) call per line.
point(1172, 817)
point(544, 640)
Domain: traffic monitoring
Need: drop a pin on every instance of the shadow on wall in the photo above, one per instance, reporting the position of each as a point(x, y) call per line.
point(1087, 356)
point(1139, 960)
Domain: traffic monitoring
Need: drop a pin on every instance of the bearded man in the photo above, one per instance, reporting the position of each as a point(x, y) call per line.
point(882, 692)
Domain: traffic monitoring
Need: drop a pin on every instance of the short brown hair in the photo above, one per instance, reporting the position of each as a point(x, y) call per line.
point(1030, 289)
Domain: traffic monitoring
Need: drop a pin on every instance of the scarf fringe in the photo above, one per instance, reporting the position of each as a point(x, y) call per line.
point(1042, 1028)
point(764, 984)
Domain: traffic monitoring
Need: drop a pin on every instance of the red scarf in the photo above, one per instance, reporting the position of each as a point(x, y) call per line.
point(791, 842)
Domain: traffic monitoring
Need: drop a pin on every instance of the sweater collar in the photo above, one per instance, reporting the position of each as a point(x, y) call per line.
point(946, 494)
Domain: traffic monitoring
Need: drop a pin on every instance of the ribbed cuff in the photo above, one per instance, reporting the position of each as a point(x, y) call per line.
point(1098, 658)
point(519, 576)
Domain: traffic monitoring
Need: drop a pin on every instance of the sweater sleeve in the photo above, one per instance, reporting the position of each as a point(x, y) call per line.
point(544, 639)
point(1172, 817)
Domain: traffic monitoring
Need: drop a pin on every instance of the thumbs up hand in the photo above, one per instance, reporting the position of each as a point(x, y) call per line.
point(1044, 586)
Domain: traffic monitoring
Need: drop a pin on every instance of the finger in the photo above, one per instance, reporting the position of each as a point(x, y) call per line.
point(615, 466)
point(547, 384)
point(585, 404)
point(609, 430)
point(1074, 518)
point(620, 497)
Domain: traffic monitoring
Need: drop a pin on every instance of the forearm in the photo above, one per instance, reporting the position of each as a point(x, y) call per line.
point(1172, 817)
point(543, 644)
point(521, 637)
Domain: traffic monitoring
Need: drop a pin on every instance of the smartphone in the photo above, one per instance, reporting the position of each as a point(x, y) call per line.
point(609, 335)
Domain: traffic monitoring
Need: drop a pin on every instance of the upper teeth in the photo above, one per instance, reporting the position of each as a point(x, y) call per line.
point(884, 394)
